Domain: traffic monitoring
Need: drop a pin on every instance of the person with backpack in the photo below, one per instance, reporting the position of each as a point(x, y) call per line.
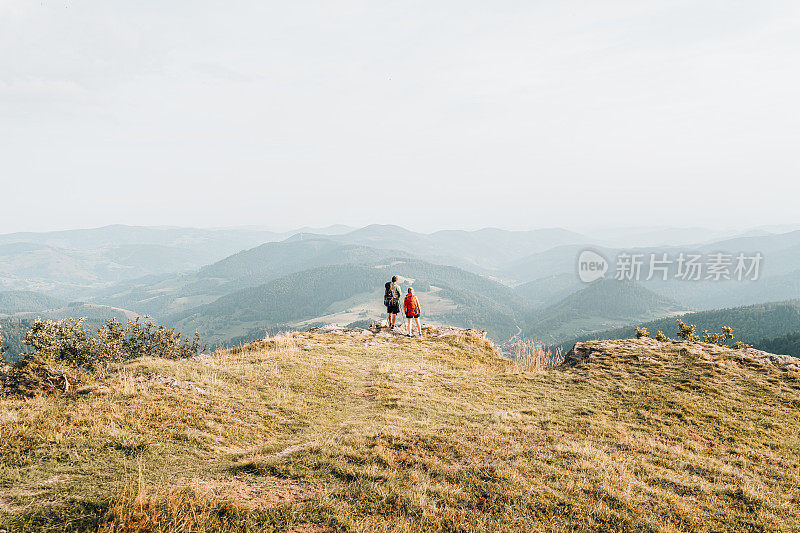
point(391, 299)
point(412, 309)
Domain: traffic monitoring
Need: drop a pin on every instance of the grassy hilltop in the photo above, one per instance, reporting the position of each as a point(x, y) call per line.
point(330, 431)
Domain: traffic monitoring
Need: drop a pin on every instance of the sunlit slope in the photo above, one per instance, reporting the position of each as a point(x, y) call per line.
point(357, 431)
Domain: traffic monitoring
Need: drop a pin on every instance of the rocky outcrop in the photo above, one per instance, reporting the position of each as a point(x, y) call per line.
point(382, 329)
point(648, 349)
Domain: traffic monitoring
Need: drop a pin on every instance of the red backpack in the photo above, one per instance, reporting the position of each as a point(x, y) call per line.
point(412, 306)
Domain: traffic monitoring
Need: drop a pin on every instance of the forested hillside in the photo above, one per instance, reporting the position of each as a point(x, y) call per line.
point(788, 344)
point(462, 298)
point(273, 260)
point(12, 302)
point(599, 305)
point(751, 324)
point(550, 289)
point(166, 296)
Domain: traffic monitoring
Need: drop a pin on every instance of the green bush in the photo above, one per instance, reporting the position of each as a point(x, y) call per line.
point(143, 338)
point(64, 352)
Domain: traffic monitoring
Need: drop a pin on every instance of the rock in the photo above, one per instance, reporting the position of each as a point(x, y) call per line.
point(583, 351)
point(578, 353)
point(784, 362)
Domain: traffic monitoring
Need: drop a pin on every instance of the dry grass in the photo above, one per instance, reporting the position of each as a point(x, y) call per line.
point(531, 356)
point(323, 432)
point(279, 343)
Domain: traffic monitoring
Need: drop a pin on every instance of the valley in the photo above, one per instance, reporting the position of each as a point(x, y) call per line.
point(234, 286)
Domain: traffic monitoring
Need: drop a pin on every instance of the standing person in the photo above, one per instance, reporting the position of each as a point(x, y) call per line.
point(412, 309)
point(391, 299)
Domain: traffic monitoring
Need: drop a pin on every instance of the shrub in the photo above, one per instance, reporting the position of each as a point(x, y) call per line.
point(719, 339)
point(37, 373)
point(143, 338)
point(686, 331)
point(64, 352)
point(65, 341)
point(661, 337)
point(642, 332)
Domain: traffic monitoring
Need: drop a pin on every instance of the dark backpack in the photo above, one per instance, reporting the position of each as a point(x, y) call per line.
point(389, 295)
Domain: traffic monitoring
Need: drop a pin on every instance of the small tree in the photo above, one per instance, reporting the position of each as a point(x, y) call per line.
point(686, 331)
point(720, 339)
point(642, 332)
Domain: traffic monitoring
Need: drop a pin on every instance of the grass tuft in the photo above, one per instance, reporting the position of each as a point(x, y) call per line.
point(531, 356)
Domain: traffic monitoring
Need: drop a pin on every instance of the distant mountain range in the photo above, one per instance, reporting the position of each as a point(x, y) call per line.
point(162, 296)
point(29, 305)
point(350, 293)
point(600, 305)
point(554, 270)
point(484, 250)
point(220, 242)
point(235, 283)
point(72, 264)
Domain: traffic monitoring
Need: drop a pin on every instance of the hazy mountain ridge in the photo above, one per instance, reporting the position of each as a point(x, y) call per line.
point(306, 295)
point(75, 263)
point(219, 241)
point(598, 304)
point(505, 255)
point(548, 290)
point(74, 273)
point(273, 260)
point(170, 295)
point(483, 250)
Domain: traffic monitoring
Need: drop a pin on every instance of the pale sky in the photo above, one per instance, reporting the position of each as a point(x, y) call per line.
point(424, 114)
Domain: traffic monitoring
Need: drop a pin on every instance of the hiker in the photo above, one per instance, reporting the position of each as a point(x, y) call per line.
point(412, 309)
point(391, 299)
